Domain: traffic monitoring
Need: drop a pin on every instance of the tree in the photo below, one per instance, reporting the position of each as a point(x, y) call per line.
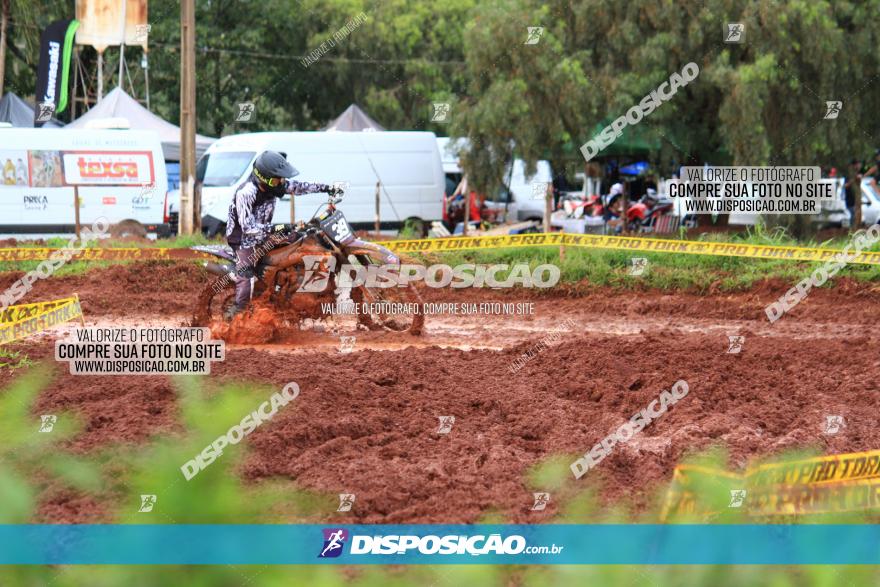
point(20, 48)
point(527, 96)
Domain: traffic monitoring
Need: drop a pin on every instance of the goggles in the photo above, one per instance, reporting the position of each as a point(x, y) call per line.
point(269, 181)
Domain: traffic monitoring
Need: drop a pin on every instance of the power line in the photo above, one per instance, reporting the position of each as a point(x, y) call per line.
point(281, 56)
point(284, 57)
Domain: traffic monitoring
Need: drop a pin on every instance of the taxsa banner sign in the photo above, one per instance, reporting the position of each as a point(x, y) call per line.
point(108, 168)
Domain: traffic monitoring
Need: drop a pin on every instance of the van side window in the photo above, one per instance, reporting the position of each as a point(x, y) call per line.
point(201, 166)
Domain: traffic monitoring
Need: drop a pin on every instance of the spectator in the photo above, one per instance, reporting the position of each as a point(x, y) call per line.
point(614, 207)
point(874, 170)
point(467, 199)
point(853, 191)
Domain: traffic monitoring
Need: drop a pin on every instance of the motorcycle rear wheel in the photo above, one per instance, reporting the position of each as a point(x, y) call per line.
point(215, 303)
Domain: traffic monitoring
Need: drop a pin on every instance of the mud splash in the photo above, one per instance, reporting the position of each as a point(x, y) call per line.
point(260, 325)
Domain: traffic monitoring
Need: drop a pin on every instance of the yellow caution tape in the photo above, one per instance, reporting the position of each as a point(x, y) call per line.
point(829, 469)
point(827, 498)
point(829, 484)
point(20, 312)
point(624, 243)
point(116, 254)
point(465, 243)
point(69, 309)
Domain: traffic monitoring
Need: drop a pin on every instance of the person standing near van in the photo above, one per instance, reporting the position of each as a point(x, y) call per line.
point(853, 191)
point(470, 201)
point(251, 211)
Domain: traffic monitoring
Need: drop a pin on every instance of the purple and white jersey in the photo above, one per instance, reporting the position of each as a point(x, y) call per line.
point(251, 210)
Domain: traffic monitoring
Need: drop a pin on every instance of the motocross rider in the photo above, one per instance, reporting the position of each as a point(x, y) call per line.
point(251, 210)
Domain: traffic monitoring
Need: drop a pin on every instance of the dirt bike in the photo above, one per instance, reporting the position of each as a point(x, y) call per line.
point(283, 281)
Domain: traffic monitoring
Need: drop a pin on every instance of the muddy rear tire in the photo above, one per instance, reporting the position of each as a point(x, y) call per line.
point(214, 302)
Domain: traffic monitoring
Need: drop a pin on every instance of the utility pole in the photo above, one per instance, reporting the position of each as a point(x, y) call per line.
point(100, 75)
point(122, 45)
point(4, 21)
point(188, 205)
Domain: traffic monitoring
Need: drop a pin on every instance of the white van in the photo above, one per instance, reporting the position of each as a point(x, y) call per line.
point(120, 176)
point(526, 199)
point(519, 196)
point(870, 204)
point(406, 163)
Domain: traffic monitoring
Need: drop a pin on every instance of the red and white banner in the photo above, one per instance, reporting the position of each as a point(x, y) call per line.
point(108, 168)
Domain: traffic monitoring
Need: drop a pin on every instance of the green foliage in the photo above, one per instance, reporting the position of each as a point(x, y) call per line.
point(597, 267)
point(13, 359)
point(759, 102)
point(412, 229)
point(28, 459)
point(524, 100)
point(756, 103)
point(206, 498)
point(667, 271)
point(23, 33)
point(75, 267)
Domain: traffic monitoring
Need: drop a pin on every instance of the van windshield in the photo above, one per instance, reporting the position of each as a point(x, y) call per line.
point(223, 168)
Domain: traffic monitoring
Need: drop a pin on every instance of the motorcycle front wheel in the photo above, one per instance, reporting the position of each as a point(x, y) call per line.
point(394, 308)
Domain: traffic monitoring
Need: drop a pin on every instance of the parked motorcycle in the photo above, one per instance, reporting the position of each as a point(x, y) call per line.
point(644, 213)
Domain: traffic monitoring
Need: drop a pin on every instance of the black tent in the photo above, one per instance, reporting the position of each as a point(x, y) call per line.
point(20, 113)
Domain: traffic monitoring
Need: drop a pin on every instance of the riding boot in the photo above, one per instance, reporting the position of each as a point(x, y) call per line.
point(244, 270)
point(242, 293)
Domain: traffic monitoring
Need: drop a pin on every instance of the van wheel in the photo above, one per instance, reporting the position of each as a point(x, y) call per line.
point(417, 226)
point(213, 230)
point(128, 228)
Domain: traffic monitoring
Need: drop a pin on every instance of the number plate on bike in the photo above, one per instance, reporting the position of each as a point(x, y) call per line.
point(337, 227)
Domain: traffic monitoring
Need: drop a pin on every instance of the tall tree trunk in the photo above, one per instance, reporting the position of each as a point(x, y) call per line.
point(4, 19)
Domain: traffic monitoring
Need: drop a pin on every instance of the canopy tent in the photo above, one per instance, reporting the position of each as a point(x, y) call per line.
point(639, 168)
point(117, 104)
point(634, 141)
point(353, 119)
point(20, 113)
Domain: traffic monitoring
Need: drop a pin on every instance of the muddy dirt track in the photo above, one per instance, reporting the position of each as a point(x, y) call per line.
point(366, 422)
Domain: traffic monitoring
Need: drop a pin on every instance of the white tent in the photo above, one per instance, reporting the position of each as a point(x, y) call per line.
point(119, 105)
point(353, 119)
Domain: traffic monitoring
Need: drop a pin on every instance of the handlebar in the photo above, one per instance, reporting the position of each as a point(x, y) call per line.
point(335, 195)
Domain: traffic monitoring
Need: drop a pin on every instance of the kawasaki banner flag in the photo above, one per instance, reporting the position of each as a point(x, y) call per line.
point(56, 44)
